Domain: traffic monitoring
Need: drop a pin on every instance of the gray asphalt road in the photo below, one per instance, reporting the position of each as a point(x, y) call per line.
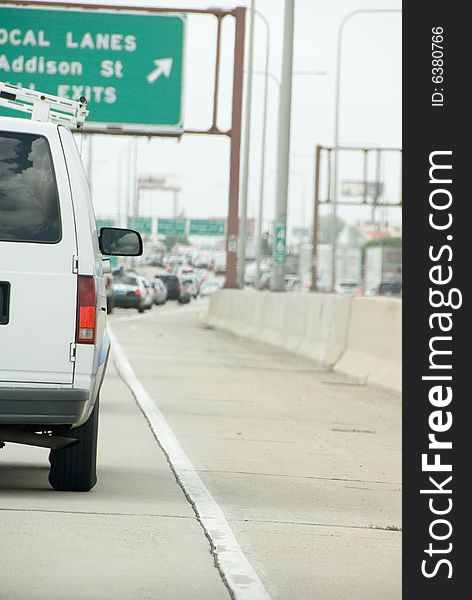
point(134, 536)
point(305, 466)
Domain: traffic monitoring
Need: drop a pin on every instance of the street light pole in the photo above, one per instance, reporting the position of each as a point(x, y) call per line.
point(260, 215)
point(336, 128)
point(247, 145)
point(302, 180)
point(175, 208)
point(135, 196)
point(267, 75)
point(283, 150)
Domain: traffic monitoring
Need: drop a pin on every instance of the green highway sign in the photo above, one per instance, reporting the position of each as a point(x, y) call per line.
point(206, 227)
point(171, 226)
point(141, 224)
point(105, 223)
point(128, 65)
point(280, 249)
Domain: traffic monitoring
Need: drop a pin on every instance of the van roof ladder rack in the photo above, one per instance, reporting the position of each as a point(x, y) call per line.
point(44, 107)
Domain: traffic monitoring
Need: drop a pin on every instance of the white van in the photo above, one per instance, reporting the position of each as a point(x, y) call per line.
point(53, 340)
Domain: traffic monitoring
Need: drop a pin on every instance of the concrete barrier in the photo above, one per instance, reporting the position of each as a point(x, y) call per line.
point(374, 342)
point(314, 325)
point(359, 337)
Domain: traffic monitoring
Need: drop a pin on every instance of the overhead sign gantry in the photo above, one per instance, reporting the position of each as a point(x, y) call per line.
point(152, 84)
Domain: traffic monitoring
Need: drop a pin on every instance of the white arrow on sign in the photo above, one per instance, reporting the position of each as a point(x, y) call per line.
point(163, 67)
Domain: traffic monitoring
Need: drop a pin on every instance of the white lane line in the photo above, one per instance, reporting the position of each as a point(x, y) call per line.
point(235, 569)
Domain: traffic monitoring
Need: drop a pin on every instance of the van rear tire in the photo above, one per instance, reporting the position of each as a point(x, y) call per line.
point(74, 469)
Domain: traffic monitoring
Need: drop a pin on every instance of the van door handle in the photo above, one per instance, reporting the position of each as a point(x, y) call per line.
point(4, 302)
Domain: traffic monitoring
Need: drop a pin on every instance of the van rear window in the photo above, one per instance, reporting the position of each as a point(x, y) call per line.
point(29, 203)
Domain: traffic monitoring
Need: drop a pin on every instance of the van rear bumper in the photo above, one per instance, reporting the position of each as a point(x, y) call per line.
point(46, 406)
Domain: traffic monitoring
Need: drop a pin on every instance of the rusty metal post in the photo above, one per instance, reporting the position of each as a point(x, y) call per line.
point(316, 205)
point(235, 159)
point(329, 198)
point(214, 125)
point(366, 175)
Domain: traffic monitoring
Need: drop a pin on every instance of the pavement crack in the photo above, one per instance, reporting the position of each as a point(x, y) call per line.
point(91, 512)
point(311, 524)
point(299, 476)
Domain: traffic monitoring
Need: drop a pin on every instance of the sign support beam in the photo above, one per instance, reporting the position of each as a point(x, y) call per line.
point(233, 207)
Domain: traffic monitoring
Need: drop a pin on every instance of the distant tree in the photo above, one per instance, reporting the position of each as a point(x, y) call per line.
point(392, 242)
point(354, 238)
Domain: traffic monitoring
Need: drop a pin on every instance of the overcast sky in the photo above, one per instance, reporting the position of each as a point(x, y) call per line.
point(370, 111)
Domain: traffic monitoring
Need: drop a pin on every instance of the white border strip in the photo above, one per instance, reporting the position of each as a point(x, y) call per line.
point(234, 567)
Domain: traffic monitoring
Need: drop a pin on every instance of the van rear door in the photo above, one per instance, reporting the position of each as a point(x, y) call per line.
point(38, 288)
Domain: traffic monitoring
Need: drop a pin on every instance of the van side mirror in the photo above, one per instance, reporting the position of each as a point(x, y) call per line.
point(114, 241)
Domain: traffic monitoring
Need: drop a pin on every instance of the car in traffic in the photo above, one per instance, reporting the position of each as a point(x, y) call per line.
point(54, 352)
point(129, 291)
point(265, 280)
point(202, 260)
point(149, 292)
point(292, 282)
point(349, 286)
point(160, 291)
point(218, 263)
point(250, 272)
point(388, 288)
point(175, 289)
point(209, 287)
point(192, 284)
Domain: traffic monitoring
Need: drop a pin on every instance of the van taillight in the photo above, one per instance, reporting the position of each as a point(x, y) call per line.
point(86, 310)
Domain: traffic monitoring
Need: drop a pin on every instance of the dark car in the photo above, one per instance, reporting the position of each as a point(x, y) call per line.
point(129, 292)
point(389, 288)
point(175, 289)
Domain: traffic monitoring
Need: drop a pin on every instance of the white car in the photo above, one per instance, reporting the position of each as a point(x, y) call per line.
point(53, 340)
point(218, 263)
point(148, 291)
point(209, 287)
point(250, 271)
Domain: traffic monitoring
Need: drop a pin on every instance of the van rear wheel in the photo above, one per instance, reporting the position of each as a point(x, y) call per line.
point(74, 469)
